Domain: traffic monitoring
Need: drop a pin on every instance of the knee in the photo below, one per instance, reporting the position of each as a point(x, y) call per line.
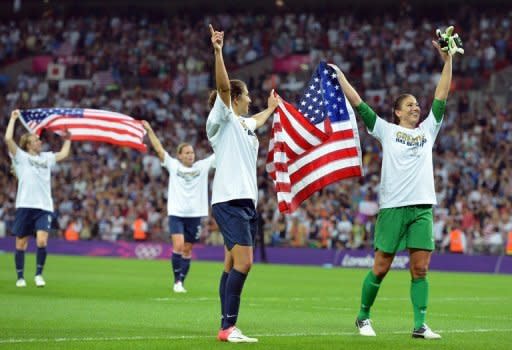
point(21, 245)
point(243, 266)
point(41, 243)
point(419, 270)
point(178, 248)
point(381, 270)
point(187, 252)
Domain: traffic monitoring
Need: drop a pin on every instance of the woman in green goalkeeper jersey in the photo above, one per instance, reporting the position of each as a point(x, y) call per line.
point(407, 193)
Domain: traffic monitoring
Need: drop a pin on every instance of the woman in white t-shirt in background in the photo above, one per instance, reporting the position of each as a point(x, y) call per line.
point(187, 202)
point(235, 189)
point(34, 203)
point(407, 193)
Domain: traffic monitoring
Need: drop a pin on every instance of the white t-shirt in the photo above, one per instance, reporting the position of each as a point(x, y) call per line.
point(34, 180)
point(187, 195)
point(407, 176)
point(236, 150)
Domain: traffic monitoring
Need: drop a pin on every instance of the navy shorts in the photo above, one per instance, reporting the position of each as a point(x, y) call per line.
point(189, 227)
point(27, 221)
point(237, 220)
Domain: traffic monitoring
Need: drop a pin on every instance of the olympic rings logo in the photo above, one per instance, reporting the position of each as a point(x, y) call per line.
point(148, 251)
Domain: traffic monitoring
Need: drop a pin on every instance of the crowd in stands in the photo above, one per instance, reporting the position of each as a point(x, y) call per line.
point(160, 70)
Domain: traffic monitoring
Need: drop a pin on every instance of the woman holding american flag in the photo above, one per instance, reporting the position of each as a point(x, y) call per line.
point(407, 191)
point(34, 203)
point(235, 189)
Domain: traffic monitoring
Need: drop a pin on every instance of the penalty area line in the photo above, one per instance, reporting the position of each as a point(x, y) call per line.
point(192, 337)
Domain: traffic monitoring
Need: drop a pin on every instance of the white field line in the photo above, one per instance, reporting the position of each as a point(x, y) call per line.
point(194, 337)
point(278, 299)
point(355, 309)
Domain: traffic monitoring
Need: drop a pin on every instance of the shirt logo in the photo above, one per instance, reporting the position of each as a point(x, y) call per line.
point(249, 131)
point(414, 142)
point(40, 165)
point(188, 175)
point(408, 140)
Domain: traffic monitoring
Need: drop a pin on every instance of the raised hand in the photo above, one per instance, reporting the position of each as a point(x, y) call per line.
point(444, 54)
point(15, 114)
point(273, 100)
point(337, 69)
point(146, 125)
point(217, 38)
point(66, 135)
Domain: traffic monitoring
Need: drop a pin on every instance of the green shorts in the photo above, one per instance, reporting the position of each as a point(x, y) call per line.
point(404, 227)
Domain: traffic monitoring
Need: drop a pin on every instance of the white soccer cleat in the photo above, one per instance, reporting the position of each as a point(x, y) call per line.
point(234, 335)
point(425, 332)
point(178, 287)
point(39, 280)
point(365, 328)
point(20, 283)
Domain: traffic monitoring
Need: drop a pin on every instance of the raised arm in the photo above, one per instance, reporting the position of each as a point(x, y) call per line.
point(9, 132)
point(65, 149)
point(349, 91)
point(155, 142)
point(221, 75)
point(272, 103)
point(443, 87)
point(367, 114)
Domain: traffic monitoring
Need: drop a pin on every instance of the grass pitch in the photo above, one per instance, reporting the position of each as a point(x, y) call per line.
point(104, 303)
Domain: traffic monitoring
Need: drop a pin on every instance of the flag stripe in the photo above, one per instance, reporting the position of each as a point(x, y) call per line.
point(104, 133)
point(69, 123)
point(311, 188)
point(327, 159)
point(318, 152)
point(122, 143)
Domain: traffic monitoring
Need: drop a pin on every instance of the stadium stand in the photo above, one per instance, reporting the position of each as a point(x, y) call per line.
point(129, 64)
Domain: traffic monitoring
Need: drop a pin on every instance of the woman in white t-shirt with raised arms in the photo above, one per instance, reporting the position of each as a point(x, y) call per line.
point(407, 193)
point(235, 190)
point(34, 203)
point(187, 202)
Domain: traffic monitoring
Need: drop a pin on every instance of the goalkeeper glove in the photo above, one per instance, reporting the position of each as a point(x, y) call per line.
point(449, 42)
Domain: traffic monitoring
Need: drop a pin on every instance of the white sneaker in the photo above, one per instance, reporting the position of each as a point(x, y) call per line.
point(425, 332)
point(39, 281)
point(178, 288)
point(20, 283)
point(365, 328)
point(236, 336)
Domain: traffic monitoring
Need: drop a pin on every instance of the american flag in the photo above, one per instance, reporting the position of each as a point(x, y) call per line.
point(87, 125)
point(314, 145)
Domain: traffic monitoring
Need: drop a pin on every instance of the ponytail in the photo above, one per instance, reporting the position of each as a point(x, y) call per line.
point(236, 89)
point(212, 98)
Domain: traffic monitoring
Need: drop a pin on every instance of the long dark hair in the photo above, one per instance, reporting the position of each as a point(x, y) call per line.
point(397, 105)
point(236, 88)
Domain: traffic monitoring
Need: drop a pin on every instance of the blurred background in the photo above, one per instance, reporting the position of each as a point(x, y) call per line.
point(154, 61)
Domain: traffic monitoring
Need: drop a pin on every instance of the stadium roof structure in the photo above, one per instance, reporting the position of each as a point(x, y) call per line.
point(36, 8)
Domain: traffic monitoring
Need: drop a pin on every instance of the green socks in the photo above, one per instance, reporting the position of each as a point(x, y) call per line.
point(419, 299)
point(371, 285)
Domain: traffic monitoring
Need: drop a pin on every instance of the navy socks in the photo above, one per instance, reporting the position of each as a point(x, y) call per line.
point(19, 261)
point(222, 295)
point(234, 285)
point(176, 266)
point(185, 266)
point(40, 259)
